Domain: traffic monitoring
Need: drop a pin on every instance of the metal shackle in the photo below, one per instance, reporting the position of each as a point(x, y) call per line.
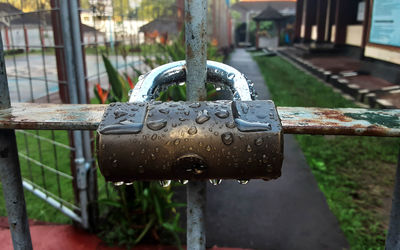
point(175, 73)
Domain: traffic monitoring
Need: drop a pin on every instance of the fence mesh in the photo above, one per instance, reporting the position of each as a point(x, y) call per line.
point(131, 34)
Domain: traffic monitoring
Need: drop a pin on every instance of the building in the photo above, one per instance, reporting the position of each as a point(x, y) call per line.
point(369, 28)
point(21, 30)
point(352, 44)
point(248, 10)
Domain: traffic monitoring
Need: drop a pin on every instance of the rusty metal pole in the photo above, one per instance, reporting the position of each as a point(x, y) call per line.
point(10, 173)
point(196, 73)
point(393, 237)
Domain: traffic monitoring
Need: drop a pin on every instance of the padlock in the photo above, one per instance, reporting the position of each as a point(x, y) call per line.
point(151, 140)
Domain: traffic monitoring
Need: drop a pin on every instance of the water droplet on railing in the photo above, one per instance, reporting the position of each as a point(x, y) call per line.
point(184, 182)
point(129, 183)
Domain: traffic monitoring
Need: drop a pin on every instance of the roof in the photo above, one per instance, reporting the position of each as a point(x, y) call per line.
point(87, 28)
point(32, 18)
point(281, 6)
point(161, 25)
point(269, 13)
point(9, 8)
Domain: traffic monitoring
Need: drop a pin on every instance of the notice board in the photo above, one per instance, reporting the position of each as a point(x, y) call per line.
point(385, 23)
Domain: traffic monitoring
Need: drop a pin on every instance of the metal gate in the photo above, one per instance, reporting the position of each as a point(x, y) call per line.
point(54, 55)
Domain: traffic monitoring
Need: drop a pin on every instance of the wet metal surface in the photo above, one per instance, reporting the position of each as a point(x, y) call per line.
point(51, 116)
point(220, 74)
point(295, 120)
point(190, 140)
point(348, 121)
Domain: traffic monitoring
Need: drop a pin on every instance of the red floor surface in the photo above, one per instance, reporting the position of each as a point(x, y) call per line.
point(66, 237)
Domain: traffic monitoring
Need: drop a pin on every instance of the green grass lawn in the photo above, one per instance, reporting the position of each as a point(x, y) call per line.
point(36, 208)
point(356, 174)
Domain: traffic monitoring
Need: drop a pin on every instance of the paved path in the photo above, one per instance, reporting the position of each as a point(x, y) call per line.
point(288, 213)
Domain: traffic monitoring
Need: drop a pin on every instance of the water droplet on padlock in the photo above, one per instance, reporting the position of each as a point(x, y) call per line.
point(195, 105)
point(182, 119)
point(154, 137)
point(202, 117)
point(115, 163)
point(164, 111)
point(199, 169)
point(187, 112)
point(223, 113)
point(156, 149)
point(157, 124)
point(153, 157)
point(230, 124)
point(192, 130)
point(118, 183)
point(208, 148)
point(231, 76)
point(261, 115)
point(165, 183)
point(119, 113)
point(201, 144)
point(227, 138)
point(243, 182)
point(177, 141)
point(184, 182)
point(248, 148)
point(244, 107)
point(141, 169)
point(259, 141)
point(215, 182)
point(264, 159)
point(216, 133)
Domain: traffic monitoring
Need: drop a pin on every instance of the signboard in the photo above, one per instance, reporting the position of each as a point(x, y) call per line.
point(385, 23)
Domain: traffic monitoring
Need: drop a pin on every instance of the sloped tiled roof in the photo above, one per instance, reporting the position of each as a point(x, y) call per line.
point(8, 8)
point(269, 14)
point(260, 5)
point(161, 25)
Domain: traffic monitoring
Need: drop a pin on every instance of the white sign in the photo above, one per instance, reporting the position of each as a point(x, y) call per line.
point(385, 23)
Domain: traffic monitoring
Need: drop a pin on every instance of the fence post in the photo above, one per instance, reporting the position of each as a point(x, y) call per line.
point(393, 237)
point(91, 176)
point(196, 73)
point(81, 166)
point(10, 173)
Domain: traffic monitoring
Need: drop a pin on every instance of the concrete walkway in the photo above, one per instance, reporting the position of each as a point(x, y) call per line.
point(288, 213)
